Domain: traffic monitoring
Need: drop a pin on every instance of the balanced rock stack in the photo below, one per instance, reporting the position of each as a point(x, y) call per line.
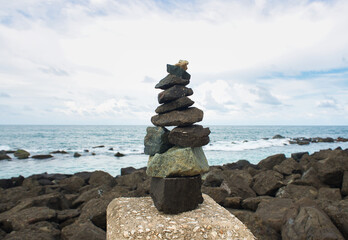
point(176, 157)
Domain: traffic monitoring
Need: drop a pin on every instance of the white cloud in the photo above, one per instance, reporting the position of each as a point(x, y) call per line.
point(87, 57)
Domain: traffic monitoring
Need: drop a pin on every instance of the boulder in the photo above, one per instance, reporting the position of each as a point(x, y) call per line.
point(256, 225)
point(156, 140)
point(12, 182)
point(310, 178)
point(118, 154)
point(344, 189)
point(232, 202)
point(72, 184)
point(178, 71)
point(338, 213)
point(21, 219)
point(297, 156)
point(213, 178)
point(96, 192)
point(217, 193)
point(178, 162)
point(271, 161)
point(99, 178)
point(253, 202)
point(127, 170)
point(82, 230)
point(267, 182)
point(59, 152)
point(291, 178)
point(178, 118)
point(288, 166)
point(310, 223)
point(176, 195)
point(297, 192)
point(174, 93)
point(100, 146)
point(238, 183)
point(3, 155)
point(133, 180)
point(41, 230)
point(273, 211)
point(129, 218)
point(330, 170)
point(171, 80)
point(42, 156)
point(84, 175)
point(178, 104)
point(76, 155)
point(95, 211)
point(278, 137)
point(67, 214)
point(191, 136)
point(21, 154)
point(240, 164)
point(329, 194)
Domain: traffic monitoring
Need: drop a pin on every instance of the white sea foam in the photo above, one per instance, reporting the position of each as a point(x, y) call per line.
point(4, 147)
point(245, 145)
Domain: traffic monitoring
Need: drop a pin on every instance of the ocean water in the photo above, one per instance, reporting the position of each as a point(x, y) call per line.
point(228, 144)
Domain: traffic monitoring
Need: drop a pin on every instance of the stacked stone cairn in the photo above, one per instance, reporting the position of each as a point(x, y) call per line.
point(176, 159)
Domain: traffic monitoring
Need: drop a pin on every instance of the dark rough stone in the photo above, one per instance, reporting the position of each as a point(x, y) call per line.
point(21, 154)
point(232, 202)
point(338, 212)
point(298, 156)
point(256, 225)
point(38, 231)
point(100, 146)
point(213, 178)
point(278, 137)
point(84, 175)
point(310, 223)
point(344, 189)
point(174, 93)
point(176, 195)
point(253, 202)
point(3, 155)
point(330, 194)
point(127, 170)
point(237, 183)
point(178, 104)
point(67, 214)
point(76, 155)
point(217, 193)
point(99, 178)
point(12, 182)
point(310, 178)
point(59, 151)
point(273, 211)
point(240, 164)
point(178, 118)
point(156, 140)
point(288, 166)
point(42, 156)
point(191, 136)
point(83, 230)
point(72, 184)
point(135, 180)
point(118, 154)
point(95, 210)
point(178, 71)
point(267, 182)
point(171, 80)
point(297, 192)
point(271, 161)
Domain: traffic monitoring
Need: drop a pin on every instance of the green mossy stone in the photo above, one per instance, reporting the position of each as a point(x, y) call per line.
point(21, 154)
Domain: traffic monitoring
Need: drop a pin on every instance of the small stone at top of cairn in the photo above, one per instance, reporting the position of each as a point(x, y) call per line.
point(176, 157)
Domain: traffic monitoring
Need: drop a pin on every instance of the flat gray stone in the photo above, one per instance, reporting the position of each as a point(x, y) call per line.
point(178, 104)
point(174, 93)
point(178, 118)
point(171, 80)
point(178, 71)
point(191, 136)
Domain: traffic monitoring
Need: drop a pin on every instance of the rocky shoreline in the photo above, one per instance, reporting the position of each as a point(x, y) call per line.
point(302, 197)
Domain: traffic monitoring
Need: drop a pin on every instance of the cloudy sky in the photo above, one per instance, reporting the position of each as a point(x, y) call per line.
point(97, 61)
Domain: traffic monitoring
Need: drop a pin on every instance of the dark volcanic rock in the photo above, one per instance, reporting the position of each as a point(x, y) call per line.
point(72, 184)
point(237, 183)
point(297, 192)
point(298, 156)
point(21, 154)
point(278, 137)
point(76, 155)
point(178, 104)
point(118, 154)
point(12, 182)
point(127, 170)
point(156, 140)
point(191, 136)
point(41, 230)
point(42, 156)
point(273, 211)
point(253, 202)
point(174, 93)
point(271, 161)
point(99, 178)
point(310, 223)
point(59, 151)
point(338, 212)
point(176, 195)
point(178, 71)
point(171, 80)
point(213, 178)
point(95, 210)
point(83, 230)
point(178, 118)
point(288, 166)
point(267, 182)
point(344, 189)
point(310, 178)
point(330, 194)
point(3, 155)
point(232, 202)
point(100, 146)
point(217, 193)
